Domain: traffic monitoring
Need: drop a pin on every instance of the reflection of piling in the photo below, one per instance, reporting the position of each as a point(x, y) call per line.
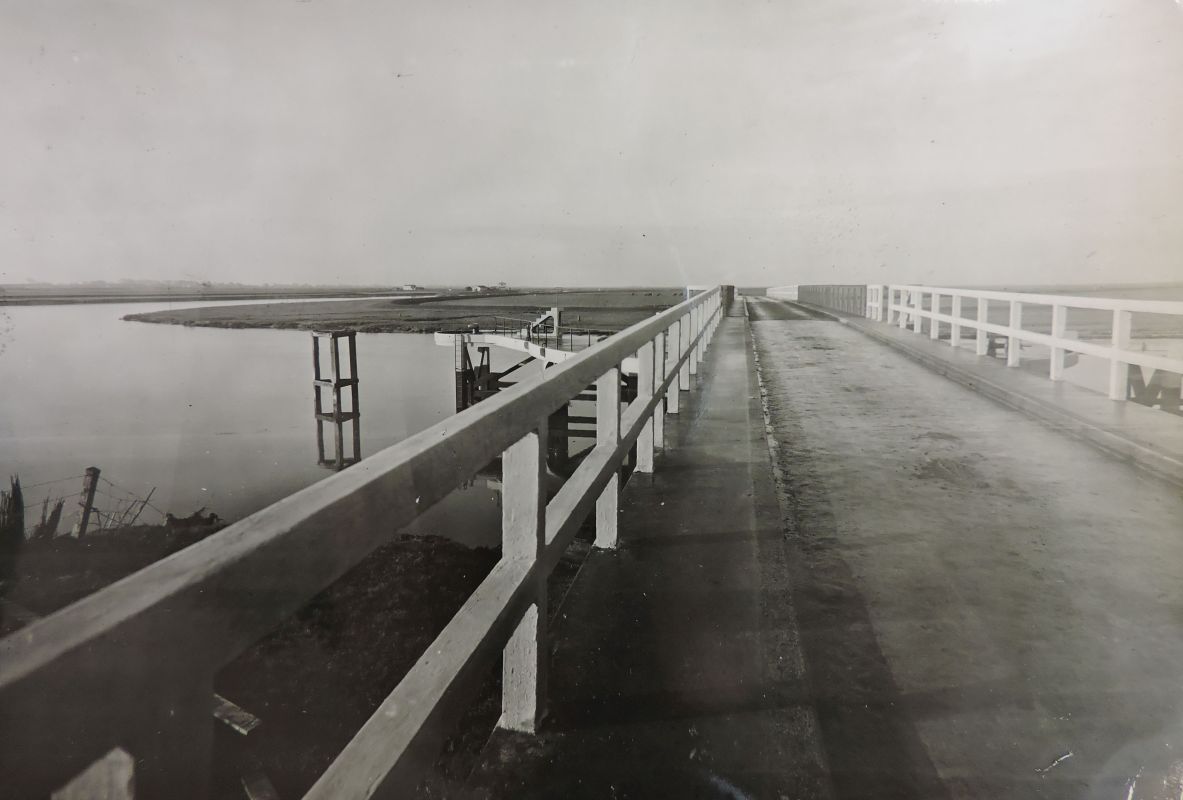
point(558, 453)
point(90, 482)
point(334, 382)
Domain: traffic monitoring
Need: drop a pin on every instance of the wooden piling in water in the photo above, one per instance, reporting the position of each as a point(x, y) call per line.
point(335, 382)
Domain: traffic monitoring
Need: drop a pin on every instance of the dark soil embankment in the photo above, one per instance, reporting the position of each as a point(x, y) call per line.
point(318, 678)
point(50, 574)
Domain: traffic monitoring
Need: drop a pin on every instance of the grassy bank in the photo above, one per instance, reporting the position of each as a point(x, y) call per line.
point(600, 310)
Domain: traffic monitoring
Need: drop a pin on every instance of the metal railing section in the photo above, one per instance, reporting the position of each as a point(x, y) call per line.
point(132, 665)
point(564, 337)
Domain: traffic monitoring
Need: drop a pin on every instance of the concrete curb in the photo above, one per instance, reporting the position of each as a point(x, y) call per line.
point(1161, 464)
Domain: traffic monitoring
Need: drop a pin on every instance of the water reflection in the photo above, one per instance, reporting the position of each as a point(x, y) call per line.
point(212, 418)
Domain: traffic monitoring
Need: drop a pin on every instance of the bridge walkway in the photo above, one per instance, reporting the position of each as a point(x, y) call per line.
point(987, 607)
point(675, 670)
point(923, 594)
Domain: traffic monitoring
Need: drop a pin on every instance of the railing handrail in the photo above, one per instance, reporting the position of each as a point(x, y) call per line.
point(198, 609)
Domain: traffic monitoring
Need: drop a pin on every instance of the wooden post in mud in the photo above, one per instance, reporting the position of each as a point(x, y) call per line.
point(90, 482)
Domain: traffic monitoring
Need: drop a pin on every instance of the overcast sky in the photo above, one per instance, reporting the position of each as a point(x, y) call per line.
point(593, 143)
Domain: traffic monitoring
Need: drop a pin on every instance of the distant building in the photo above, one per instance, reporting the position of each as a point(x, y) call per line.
point(410, 287)
point(483, 288)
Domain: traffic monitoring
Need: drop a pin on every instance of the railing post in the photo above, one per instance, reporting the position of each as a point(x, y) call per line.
point(695, 328)
point(707, 321)
point(1012, 342)
point(905, 300)
point(1119, 371)
point(673, 340)
point(608, 435)
point(955, 328)
point(644, 392)
point(683, 346)
point(523, 536)
point(917, 307)
point(111, 777)
point(934, 326)
point(981, 345)
point(1059, 323)
point(659, 375)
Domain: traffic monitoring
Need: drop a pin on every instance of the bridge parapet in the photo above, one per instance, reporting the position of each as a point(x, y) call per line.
point(846, 298)
point(1046, 325)
point(131, 667)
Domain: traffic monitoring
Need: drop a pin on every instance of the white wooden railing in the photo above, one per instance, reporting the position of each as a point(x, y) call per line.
point(130, 669)
point(876, 302)
point(909, 305)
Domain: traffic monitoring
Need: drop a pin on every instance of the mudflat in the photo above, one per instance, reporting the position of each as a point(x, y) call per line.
point(604, 310)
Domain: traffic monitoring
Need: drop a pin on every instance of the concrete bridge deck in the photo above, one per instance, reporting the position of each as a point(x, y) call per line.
point(923, 594)
point(676, 670)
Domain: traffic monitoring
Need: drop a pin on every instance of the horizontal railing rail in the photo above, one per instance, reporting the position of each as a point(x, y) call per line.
point(909, 305)
point(132, 666)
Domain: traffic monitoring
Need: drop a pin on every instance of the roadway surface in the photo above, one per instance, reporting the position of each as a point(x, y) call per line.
point(762, 309)
point(675, 670)
point(988, 608)
point(921, 594)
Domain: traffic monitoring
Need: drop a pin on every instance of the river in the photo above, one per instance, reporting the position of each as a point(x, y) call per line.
point(206, 417)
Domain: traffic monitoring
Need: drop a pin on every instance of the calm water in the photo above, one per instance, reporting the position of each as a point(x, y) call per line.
point(211, 418)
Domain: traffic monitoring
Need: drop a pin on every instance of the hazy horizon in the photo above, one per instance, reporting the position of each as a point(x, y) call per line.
point(511, 287)
point(940, 141)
